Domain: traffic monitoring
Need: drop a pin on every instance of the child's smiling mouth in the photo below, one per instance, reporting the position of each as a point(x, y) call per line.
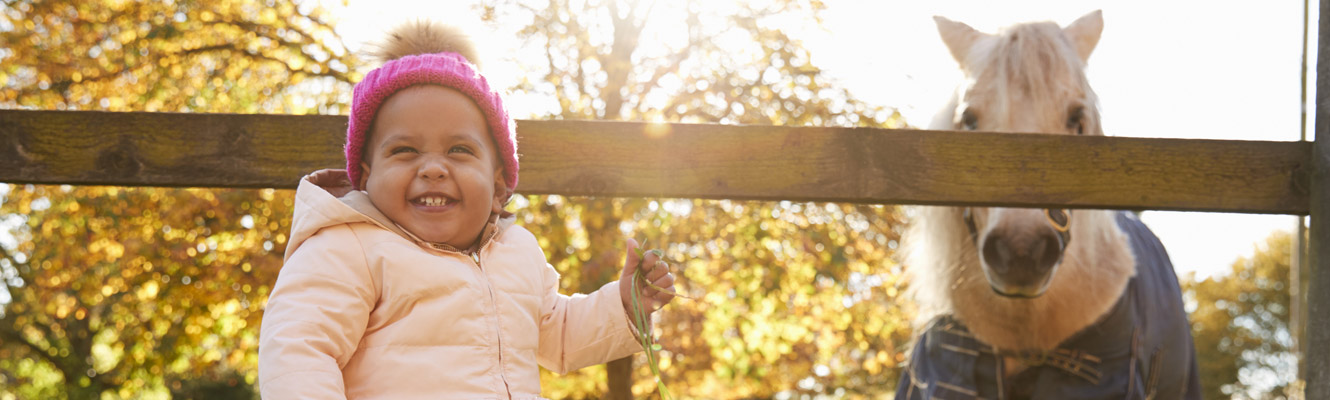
point(434, 201)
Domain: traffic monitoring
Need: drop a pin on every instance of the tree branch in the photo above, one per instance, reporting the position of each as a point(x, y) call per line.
point(310, 40)
point(13, 337)
point(10, 334)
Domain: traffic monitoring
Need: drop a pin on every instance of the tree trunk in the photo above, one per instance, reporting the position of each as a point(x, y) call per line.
point(604, 267)
point(620, 374)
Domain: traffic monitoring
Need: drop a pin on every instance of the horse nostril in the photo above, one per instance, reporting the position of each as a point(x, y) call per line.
point(996, 252)
point(1048, 250)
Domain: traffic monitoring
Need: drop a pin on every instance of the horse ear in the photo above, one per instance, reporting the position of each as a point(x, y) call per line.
point(958, 37)
point(1084, 33)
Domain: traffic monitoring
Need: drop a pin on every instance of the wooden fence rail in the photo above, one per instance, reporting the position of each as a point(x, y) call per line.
point(591, 158)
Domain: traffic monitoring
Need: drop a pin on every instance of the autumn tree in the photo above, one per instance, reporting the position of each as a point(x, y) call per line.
point(123, 290)
point(799, 298)
point(1240, 324)
point(140, 290)
point(241, 56)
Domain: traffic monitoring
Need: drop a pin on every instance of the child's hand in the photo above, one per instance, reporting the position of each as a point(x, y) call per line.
point(656, 271)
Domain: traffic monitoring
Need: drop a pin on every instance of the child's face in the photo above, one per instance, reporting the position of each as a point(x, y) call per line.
point(432, 167)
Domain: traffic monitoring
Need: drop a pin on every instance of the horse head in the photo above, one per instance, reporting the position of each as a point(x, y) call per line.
point(1027, 78)
point(1019, 278)
point(1034, 285)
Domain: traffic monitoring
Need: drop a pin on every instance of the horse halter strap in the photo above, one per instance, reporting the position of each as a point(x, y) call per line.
point(1058, 218)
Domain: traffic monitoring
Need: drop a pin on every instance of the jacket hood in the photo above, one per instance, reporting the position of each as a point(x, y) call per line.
point(325, 198)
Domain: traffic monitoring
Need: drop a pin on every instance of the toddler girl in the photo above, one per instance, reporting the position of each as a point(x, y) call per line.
point(405, 278)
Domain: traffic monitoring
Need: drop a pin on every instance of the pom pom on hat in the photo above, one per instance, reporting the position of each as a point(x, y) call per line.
point(427, 53)
point(425, 37)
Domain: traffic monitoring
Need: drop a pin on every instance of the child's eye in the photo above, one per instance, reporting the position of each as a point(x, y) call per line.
point(402, 149)
point(461, 149)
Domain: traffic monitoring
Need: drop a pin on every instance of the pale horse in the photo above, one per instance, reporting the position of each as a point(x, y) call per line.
point(1021, 303)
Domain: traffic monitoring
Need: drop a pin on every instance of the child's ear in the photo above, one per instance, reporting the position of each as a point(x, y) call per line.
point(364, 175)
point(501, 193)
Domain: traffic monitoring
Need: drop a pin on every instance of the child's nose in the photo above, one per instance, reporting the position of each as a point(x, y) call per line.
point(433, 168)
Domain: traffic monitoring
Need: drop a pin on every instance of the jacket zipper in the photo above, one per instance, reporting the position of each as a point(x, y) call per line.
point(484, 277)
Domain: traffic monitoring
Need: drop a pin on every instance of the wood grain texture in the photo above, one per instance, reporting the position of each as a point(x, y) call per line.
point(597, 158)
point(166, 149)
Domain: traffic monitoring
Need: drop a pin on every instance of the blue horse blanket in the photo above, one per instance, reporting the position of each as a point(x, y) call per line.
point(1141, 349)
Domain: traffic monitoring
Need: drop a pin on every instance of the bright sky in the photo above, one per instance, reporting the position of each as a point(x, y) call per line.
point(1175, 69)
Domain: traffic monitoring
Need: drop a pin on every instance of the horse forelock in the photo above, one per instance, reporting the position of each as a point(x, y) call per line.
point(1024, 77)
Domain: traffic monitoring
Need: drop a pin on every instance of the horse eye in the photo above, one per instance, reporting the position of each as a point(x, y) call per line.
point(1058, 217)
point(1076, 120)
point(969, 121)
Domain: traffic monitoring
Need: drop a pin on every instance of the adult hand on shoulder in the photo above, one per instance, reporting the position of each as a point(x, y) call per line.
point(655, 270)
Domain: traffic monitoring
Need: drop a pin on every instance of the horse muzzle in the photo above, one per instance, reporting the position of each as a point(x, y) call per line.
point(1021, 264)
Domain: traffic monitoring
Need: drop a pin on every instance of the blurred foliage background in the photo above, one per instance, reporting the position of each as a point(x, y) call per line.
point(1240, 322)
point(115, 292)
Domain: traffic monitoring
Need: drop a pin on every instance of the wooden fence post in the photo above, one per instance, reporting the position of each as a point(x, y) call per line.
point(1318, 317)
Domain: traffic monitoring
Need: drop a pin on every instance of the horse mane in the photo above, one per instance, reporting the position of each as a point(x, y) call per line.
point(1035, 64)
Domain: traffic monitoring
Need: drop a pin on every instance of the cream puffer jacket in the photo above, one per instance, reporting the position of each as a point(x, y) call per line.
point(363, 310)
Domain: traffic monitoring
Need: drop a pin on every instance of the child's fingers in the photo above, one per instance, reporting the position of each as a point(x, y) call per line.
point(657, 270)
point(630, 263)
point(649, 260)
point(664, 282)
point(659, 298)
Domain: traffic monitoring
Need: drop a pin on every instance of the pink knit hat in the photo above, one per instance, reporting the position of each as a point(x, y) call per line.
point(447, 66)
